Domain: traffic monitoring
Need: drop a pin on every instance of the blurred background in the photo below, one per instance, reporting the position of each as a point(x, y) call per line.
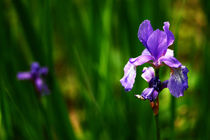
point(85, 44)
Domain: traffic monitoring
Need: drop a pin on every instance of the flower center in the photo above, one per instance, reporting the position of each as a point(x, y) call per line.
point(155, 83)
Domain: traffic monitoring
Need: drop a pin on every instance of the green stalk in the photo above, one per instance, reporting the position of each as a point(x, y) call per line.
point(155, 108)
point(157, 127)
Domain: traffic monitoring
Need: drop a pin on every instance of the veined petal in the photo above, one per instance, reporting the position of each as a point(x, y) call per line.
point(145, 30)
point(157, 43)
point(170, 36)
point(170, 61)
point(150, 94)
point(24, 76)
point(178, 81)
point(129, 76)
point(148, 73)
point(141, 59)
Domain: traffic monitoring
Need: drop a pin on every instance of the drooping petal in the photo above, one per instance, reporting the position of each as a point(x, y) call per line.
point(24, 76)
point(141, 59)
point(178, 81)
point(148, 73)
point(129, 76)
point(39, 84)
point(145, 30)
point(150, 94)
point(157, 43)
point(170, 61)
point(170, 36)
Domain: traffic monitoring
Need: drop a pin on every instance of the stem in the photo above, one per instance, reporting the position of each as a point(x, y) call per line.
point(173, 104)
point(155, 108)
point(157, 72)
point(157, 127)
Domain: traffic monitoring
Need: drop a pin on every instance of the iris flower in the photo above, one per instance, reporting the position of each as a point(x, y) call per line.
point(35, 75)
point(156, 52)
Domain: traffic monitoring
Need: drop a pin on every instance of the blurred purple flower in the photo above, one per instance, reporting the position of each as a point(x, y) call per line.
point(156, 43)
point(35, 75)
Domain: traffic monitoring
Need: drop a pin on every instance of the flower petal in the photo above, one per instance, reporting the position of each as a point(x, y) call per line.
point(39, 84)
point(169, 52)
point(170, 36)
point(129, 76)
point(141, 59)
point(170, 61)
point(157, 43)
point(35, 68)
point(178, 81)
point(24, 76)
point(148, 73)
point(43, 71)
point(150, 94)
point(145, 30)
point(145, 52)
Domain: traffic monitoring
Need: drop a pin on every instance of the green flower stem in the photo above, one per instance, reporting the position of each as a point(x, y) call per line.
point(157, 127)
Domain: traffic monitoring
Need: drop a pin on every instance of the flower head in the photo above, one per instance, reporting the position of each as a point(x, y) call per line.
point(156, 52)
point(35, 75)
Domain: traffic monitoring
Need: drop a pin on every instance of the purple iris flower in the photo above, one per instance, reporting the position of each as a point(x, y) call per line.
point(35, 75)
point(156, 52)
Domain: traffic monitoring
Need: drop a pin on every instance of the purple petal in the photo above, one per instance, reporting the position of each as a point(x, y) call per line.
point(145, 52)
point(145, 30)
point(157, 43)
point(43, 71)
point(141, 59)
point(24, 76)
point(35, 68)
point(39, 84)
point(129, 76)
point(148, 73)
point(178, 81)
point(169, 52)
point(35, 65)
point(170, 36)
point(164, 84)
point(170, 61)
point(150, 94)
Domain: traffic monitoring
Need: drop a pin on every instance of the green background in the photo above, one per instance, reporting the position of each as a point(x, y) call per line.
point(85, 44)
